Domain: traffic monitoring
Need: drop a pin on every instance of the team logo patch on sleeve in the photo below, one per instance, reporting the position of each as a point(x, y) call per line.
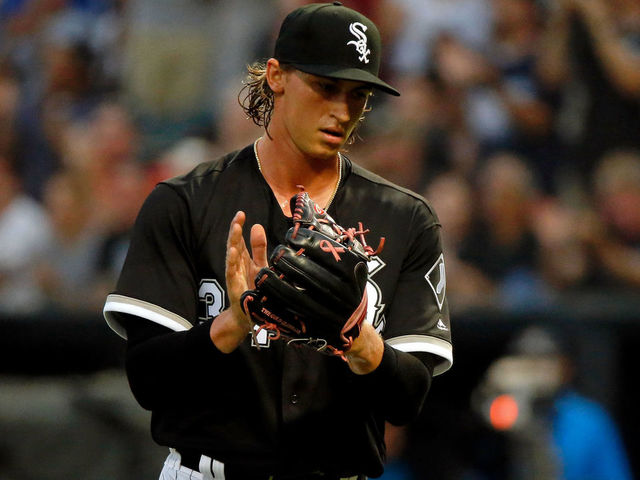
point(437, 280)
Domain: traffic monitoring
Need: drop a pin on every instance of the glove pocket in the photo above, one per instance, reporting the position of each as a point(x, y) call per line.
point(283, 296)
point(323, 285)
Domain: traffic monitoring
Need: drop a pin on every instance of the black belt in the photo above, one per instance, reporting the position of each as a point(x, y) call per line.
point(191, 460)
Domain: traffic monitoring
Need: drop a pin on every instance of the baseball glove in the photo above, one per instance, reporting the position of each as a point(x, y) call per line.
point(314, 291)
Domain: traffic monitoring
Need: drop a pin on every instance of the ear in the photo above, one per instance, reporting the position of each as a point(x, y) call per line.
point(275, 76)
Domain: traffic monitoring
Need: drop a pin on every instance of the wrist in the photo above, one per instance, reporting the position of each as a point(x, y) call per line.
point(365, 354)
point(227, 332)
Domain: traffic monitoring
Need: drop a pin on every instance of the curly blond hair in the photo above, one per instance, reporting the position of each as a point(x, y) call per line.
point(256, 96)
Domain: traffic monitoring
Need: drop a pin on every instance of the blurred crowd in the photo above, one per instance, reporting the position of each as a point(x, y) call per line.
point(519, 121)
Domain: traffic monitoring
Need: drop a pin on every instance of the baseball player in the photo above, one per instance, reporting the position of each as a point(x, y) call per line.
point(231, 399)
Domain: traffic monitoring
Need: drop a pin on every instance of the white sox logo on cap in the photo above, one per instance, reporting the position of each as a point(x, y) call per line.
point(357, 29)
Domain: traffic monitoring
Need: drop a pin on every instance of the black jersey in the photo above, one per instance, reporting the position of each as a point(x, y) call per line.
point(267, 401)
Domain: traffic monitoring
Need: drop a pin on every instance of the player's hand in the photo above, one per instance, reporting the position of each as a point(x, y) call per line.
point(231, 327)
point(241, 268)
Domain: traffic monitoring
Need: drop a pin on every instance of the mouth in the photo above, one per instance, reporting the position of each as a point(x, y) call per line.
point(334, 133)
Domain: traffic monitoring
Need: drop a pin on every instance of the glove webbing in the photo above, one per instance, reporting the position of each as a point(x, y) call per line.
point(342, 234)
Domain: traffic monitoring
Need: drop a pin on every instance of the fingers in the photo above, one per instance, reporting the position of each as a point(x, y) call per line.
point(236, 282)
point(235, 231)
point(235, 277)
point(259, 246)
point(235, 250)
point(241, 267)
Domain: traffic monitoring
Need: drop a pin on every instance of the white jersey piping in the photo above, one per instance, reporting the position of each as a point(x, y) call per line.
point(122, 304)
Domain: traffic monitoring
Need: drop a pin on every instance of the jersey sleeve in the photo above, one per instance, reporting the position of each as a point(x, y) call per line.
point(157, 282)
point(418, 317)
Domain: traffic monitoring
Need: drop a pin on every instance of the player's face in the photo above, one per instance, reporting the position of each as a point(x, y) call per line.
point(320, 113)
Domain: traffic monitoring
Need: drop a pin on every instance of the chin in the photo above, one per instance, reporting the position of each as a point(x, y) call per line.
point(329, 153)
point(324, 151)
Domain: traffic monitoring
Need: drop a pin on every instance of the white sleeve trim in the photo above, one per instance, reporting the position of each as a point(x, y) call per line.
point(139, 308)
point(424, 343)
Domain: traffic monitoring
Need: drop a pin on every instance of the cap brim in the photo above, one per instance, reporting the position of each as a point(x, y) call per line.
point(354, 74)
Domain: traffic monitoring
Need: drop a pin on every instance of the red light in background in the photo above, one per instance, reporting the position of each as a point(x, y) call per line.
point(503, 412)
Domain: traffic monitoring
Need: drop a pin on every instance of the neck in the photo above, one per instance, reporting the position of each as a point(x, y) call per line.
point(285, 170)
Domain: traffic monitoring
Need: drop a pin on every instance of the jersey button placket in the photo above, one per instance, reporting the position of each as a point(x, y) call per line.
point(299, 367)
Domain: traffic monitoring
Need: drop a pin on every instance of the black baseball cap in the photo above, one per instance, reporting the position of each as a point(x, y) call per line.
point(331, 40)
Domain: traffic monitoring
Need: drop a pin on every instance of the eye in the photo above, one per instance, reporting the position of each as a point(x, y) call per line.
point(361, 94)
point(328, 87)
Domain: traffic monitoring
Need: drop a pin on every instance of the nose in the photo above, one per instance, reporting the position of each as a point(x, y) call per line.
point(340, 108)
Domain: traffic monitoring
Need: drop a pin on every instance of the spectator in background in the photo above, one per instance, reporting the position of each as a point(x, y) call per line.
point(234, 51)
point(471, 81)
point(130, 184)
point(397, 153)
point(172, 78)
point(25, 234)
point(22, 23)
point(104, 152)
point(64, 53)
point(503, 103)
point(590, 54)
point(564, 261)
point(67, 273)
point(513, 53)
point(181, 158)
point(424, 21)
point(107, 142)
point(612, 230)
point(167, 61)
point(422, 134)
point(556, 431)
point(66, 96)
point(502, 243)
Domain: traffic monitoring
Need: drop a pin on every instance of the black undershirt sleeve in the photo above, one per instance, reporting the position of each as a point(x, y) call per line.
point(162, 364)
point(400, 384)
point(160, 367)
